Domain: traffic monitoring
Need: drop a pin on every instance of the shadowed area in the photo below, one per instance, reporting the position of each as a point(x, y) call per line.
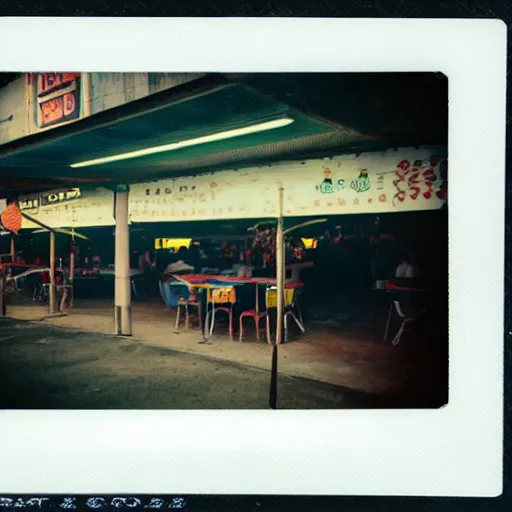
point(46, 367)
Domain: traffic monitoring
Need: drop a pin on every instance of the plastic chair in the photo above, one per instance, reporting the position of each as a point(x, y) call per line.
point(186, 303)
point(226, 297)
point(406, 319)
point(290, 304)
point(256, 315)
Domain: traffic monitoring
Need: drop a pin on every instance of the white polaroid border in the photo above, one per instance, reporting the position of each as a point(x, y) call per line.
point(454, 451)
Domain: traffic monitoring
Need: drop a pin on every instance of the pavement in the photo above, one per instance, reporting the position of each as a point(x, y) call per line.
point(51, 367)
point(328, 367)
point(342, 357)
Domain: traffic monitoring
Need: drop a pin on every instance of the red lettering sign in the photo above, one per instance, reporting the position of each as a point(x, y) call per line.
point(69, 77)
point(51, 111)
point(51, 81)
point(62, 91)
point(69, 104)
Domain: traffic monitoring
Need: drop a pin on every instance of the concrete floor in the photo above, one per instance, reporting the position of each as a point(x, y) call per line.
point(410, 374)
point(48, 367)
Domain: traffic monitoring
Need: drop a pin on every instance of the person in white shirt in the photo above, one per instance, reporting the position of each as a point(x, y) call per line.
point(406, 269)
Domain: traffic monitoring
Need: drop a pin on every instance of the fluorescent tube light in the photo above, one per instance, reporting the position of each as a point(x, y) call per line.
point(229, 134)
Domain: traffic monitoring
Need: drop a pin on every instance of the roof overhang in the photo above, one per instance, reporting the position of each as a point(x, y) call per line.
point(204, 107)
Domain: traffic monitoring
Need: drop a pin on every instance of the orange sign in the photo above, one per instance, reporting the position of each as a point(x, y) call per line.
point(59, 97)
point(51, 81)
point(11, 219)
point(51, 111)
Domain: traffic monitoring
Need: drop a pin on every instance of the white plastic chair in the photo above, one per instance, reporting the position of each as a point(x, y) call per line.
point(406, 319)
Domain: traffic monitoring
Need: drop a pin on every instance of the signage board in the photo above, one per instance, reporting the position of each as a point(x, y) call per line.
point(407, 179)
point(58, 98)
point(404, 180)
point(72, 208)
point(59, 196)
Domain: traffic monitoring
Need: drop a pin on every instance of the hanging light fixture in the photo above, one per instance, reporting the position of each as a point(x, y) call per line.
point(215, 137)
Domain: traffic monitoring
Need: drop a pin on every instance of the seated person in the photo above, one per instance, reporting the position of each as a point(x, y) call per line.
point(406, 276)
point(407, 269)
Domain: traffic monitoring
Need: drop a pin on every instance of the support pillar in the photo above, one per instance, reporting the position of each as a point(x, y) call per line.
point(280, 270)
point(3, 311)
point(13, 249)
point(87, 96)
point(280, 284)
point(51, 292)
point(72, 275)
point(123, 299)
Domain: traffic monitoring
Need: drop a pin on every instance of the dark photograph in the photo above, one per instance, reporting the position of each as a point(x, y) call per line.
point(223, 241)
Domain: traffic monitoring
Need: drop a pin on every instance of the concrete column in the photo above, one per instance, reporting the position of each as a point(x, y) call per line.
point(87, 94)
point(123, 299)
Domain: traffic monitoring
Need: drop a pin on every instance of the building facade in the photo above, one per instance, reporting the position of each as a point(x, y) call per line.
point(40, 101)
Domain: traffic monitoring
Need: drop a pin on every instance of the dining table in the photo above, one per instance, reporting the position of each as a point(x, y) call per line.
point(202, 283)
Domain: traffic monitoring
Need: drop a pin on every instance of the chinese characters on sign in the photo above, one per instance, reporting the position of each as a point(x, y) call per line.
point(58, 98)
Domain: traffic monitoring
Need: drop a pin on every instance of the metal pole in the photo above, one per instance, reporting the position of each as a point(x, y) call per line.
point(71, 277)
point(123, 298)
point(280, 272)
point(13, 249)
point(3, 311)
point(51, 296)
point(280, 282)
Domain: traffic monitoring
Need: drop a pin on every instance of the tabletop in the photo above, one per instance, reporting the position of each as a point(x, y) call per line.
point(204, 280)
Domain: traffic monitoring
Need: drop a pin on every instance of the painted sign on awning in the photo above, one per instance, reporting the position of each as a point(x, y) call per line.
point(407, 179)
point(70, 207)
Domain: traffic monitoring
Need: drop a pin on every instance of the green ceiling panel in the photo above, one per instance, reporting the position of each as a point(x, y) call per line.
point(218, 110)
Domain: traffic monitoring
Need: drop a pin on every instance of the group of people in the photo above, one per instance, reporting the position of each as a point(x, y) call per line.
point(355, 263)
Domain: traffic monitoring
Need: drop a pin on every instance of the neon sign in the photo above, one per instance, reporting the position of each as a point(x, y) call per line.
point(58, 98)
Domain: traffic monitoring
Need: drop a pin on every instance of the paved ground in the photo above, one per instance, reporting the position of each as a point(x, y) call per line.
point(346, 357)
point(44, 366)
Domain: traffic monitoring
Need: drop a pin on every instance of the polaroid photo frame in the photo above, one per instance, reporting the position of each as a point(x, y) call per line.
point(452, 451)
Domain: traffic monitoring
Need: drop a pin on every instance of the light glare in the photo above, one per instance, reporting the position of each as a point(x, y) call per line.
point(237, 132)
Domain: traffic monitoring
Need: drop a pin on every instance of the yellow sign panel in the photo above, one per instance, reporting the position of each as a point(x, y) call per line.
point(172, 243)
point(309, 243)
point(271, 298)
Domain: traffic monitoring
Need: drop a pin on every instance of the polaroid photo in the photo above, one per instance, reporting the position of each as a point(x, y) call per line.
point(252, 256)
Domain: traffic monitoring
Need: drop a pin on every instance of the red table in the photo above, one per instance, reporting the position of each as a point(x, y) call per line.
point(201, 281)
point(197, 279)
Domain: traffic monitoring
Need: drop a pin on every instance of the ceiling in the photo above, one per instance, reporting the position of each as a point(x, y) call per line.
point(332, 113)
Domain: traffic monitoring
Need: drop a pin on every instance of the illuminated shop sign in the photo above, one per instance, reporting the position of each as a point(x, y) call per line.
point(58, 98)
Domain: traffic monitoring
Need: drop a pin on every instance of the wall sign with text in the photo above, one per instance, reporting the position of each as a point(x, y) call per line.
point(34, 201)
point(58, 98)
point(406, 179)
point(70, 208)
